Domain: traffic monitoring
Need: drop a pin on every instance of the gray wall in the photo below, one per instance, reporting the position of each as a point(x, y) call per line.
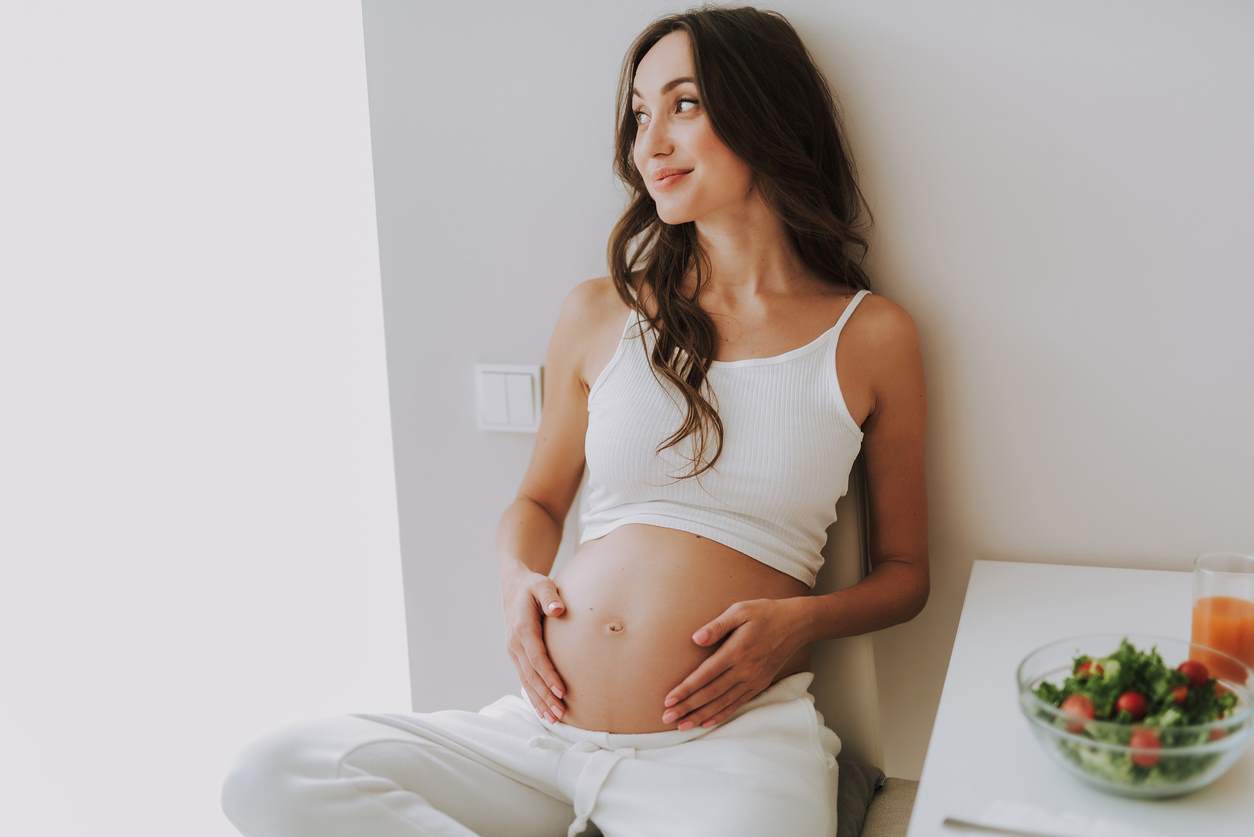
point(1062, 196)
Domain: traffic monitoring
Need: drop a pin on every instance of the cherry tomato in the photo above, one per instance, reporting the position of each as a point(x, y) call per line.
point(1180, 694)
point(1216, 734)
point(1088, 667)
point(1079, 707)
point(1195, 671)
point(1145, 737)
point(1133, 703)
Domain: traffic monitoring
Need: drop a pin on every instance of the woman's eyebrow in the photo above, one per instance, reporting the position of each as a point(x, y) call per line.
point(665, 87)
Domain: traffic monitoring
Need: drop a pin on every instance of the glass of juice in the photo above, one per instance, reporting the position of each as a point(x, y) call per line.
point(1223, 611)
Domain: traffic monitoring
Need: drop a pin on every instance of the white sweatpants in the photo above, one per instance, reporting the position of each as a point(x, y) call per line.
point(504, 770)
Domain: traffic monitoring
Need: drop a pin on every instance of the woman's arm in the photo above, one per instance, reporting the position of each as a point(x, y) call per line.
point(527, 540)
point(898, 585)
point(530, 531)
point(894, 592)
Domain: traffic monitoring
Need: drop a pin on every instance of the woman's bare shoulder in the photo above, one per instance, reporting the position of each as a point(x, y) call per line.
point(609, 302)
point(598, 319)
point(883, 319)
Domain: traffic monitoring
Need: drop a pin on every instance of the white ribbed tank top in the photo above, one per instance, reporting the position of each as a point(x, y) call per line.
point(789, 443)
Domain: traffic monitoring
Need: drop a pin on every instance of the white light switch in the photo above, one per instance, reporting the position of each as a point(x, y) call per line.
point(509, 396)
point(518, 395)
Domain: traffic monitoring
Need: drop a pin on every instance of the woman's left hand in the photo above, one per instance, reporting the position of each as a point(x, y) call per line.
point(761, 635)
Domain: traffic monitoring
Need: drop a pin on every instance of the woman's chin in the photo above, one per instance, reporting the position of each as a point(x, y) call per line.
point(673, 215)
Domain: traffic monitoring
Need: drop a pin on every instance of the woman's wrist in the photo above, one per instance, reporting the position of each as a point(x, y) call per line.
point(513, 573)
point(801, 612)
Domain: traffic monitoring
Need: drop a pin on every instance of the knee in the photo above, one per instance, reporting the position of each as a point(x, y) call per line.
point(265, 777)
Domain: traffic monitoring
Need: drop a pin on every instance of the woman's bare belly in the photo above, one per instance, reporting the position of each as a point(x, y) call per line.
point(633, 600)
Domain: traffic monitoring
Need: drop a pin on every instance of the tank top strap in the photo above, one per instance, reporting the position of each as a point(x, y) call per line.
point(633, 317)
point(848, 312)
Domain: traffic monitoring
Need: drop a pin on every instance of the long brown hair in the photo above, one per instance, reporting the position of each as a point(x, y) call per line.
point(771, 106)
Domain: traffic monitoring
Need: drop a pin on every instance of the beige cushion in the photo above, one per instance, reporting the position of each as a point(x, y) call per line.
point(890, 809)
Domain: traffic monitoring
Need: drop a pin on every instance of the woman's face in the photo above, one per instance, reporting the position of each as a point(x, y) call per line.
point(673, 131)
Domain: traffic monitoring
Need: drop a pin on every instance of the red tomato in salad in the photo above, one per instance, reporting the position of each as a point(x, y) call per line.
point(1215, 735)
point(1133, 703)
point(1146, 738)
point(1180, 694)
point(1195, 671)
point(1088, 667)
point(1079, 707)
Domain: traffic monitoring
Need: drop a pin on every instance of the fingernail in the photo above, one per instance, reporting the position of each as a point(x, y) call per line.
point(557, 711)
point(554, 607)
point(685, 725)
point(669, 716)
point(557, 690)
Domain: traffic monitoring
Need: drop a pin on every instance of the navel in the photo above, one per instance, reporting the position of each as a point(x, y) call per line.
point(615, 627)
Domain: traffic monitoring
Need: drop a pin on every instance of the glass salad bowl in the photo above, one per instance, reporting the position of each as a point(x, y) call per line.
point(1120, 712)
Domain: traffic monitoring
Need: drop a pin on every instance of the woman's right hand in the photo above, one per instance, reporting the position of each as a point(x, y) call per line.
point(527, 601)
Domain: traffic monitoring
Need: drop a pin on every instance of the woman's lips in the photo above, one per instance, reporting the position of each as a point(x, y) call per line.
point(669, 181)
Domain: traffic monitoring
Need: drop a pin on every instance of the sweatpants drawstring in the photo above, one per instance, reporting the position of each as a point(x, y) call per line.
point(591, 778)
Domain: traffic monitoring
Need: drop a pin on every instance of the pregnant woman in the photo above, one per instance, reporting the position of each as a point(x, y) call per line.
point(718, 386)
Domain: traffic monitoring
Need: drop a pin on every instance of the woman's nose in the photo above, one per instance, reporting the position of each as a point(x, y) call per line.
point(652, 141)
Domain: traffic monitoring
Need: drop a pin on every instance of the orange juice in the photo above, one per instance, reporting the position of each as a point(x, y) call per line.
point(1226, 624)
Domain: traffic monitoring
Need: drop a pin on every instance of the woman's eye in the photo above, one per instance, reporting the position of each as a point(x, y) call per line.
point(678, 102)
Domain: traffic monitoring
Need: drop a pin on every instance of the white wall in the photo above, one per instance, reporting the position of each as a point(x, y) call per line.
point(1061, 193)
point(199, 533)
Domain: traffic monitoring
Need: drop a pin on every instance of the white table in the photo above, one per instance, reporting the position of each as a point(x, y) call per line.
point(982, 752)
